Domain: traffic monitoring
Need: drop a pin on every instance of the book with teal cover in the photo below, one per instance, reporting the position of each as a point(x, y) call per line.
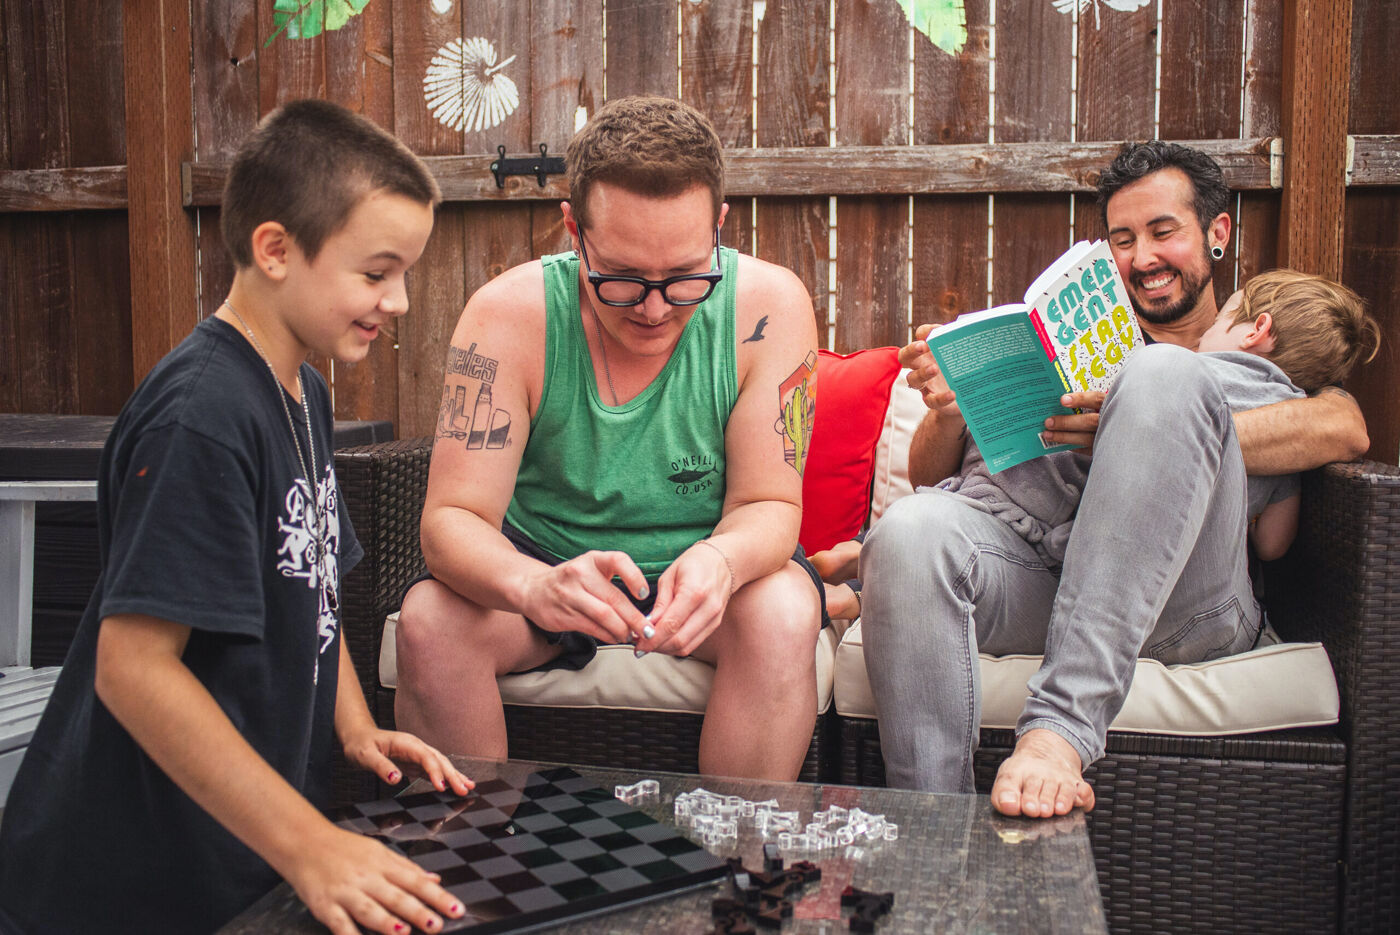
point(1009, 365)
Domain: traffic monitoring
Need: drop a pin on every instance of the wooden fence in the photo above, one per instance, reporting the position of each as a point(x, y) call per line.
point(905, 177)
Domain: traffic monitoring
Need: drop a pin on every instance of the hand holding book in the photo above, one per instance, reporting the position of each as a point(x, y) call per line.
point(1009, 366)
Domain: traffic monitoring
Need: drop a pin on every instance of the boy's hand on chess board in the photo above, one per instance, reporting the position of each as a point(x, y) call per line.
point(376, 750)
point(346, 878)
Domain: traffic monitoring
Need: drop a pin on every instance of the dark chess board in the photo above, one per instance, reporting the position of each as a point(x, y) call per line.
point(535, 848)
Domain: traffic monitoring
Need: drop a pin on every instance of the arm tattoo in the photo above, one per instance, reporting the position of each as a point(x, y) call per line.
point(757, 331)
point(1333, 391)
point(474, 421)
point(797, 406)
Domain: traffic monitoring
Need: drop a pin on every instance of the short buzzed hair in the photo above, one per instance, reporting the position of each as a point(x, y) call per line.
point(654, 146)
point(1321, 329)
point(307, 165)
point(1136, 161)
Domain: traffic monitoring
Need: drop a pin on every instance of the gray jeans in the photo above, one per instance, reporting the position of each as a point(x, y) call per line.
point(1156, 566)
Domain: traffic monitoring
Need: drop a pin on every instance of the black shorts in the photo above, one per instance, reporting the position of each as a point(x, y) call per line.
point(578, 649)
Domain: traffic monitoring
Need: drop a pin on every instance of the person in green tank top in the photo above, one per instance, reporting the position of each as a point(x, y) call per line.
point(619, 458)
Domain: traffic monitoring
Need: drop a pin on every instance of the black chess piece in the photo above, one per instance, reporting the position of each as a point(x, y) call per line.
point(869, 907)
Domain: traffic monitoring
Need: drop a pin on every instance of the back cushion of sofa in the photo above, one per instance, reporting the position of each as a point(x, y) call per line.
point(903, 415)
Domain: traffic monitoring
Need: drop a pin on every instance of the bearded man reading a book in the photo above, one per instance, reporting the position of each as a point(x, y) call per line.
point(1152, 562)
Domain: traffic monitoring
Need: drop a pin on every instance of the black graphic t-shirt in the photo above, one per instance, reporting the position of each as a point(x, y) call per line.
point(204, 519)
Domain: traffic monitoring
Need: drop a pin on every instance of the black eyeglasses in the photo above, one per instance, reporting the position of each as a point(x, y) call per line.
point(626, 291)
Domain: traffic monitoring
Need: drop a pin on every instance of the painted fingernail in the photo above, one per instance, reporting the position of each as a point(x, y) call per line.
point(430, 925)
point(648, 631)
point(400, 927)
point(455, 909)
point(633, 635)
point(638, 653)
point(394, 776)
point(645, 591)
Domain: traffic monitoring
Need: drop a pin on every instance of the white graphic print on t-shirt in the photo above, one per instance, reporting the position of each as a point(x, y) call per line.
point(302, 555)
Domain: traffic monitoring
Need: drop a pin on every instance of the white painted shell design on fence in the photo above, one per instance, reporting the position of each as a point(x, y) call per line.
point(464, 86)
point(1122, 6)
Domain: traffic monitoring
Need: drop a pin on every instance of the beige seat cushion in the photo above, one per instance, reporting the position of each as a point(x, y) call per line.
point(1271, 688)
point(618, 679)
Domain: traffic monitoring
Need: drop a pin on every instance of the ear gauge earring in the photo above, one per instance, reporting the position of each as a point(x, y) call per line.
point(1218, 252)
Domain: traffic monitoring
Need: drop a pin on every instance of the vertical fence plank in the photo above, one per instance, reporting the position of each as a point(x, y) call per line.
point(1371, 266)
point(101, 272)
point(227, 60)
point(793, 92)
point(290, 69)
point(1117, 74)
point(9, 323)
point(1256, 240)
point(495, 237)
point(4, 87)
point(1117, 83)
point(40, 247)
point(717, 79)
point(872, 233)
point(156, 52)
point(566, 84)
point(435, 288)
point(1317, 48)
point(359, 76)
point(1033, 57)
point(641, 47)
point(950, 233)
point(1202, 44)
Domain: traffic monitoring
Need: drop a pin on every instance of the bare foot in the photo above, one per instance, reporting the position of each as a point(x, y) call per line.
point(1041, 778)
point(837, 563)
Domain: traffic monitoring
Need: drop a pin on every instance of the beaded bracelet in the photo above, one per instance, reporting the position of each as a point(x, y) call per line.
point(733, 581)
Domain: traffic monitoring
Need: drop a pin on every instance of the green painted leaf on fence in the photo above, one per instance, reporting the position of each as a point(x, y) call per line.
point(305, 19)
point(944, 22)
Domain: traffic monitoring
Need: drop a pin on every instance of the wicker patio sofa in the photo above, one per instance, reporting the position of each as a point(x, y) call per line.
point(1293, 830)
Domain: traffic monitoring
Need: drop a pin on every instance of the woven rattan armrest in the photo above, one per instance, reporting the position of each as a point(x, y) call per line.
point(383, 486)
point(1340, 584)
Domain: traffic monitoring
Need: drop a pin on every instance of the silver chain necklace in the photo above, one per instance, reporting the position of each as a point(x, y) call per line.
point(328, 600)
point(282, 398)
point(607, 371)
point(308, 468)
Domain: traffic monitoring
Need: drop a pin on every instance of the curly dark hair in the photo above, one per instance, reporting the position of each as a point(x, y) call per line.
point(1136, 161)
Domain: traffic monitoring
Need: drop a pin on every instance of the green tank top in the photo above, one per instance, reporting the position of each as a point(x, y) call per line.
point(646, 477)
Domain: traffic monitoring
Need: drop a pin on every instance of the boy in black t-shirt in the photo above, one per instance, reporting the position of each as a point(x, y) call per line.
point(175, 773)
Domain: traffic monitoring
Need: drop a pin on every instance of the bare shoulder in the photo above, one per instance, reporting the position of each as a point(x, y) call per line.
point(771, 303)
point(511, 300)
point(499, 340)
point(763, 282)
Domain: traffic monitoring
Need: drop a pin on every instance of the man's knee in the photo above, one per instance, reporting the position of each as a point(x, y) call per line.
point(779, 615)
point(1162, 376)
point(438, 626)
point(419, 630)
point(919, 539)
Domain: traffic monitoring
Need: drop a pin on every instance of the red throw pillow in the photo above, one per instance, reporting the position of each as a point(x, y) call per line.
point(853, 393)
